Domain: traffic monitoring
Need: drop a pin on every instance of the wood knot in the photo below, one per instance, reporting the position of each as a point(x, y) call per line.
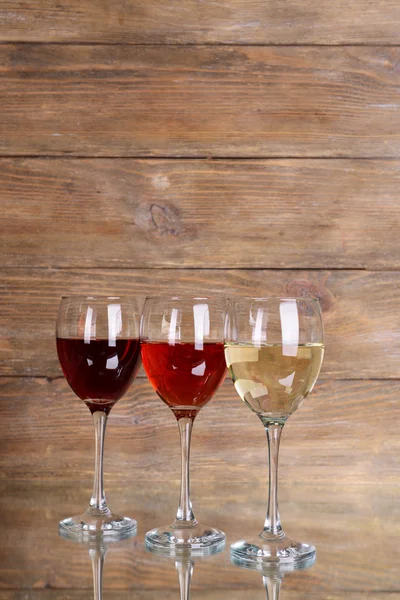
point(303, 288)
point(159, 219)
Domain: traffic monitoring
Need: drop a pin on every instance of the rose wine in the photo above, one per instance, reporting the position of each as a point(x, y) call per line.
point(99, 373)
point(274, 379)
point(184, 376)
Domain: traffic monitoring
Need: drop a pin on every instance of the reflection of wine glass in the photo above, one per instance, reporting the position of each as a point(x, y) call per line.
point(99, 351)
point(97, 545)
point(185, 572)
point(97, 548)
point(184, 563)
point(274, 350)
point(183, 356)
point(273, 573)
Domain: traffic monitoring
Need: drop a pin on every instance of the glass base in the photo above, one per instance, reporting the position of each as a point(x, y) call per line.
point(259, 552)
point(177, 538)
point(93, 522)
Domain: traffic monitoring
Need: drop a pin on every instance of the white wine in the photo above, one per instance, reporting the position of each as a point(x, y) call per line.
point(274, 379)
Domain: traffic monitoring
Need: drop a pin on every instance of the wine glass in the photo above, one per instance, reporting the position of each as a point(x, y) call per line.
point(183, 356)
point(99, 352)
point(274, 350)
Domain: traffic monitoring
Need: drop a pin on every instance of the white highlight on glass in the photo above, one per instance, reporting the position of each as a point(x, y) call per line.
point(259, 333)
point(290, 327)
point(114, 323)
point(87, 334)
point(201, 324)
point(112, 362)
point(173, 327)
point(200, 369)
point(259, 391)
point(287, 381)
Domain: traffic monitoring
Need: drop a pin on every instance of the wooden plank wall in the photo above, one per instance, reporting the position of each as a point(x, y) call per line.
point(246, 145)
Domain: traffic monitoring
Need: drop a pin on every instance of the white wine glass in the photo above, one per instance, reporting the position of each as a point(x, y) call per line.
point(273, 350)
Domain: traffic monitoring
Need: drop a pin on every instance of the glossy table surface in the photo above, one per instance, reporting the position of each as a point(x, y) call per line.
point(355, 528)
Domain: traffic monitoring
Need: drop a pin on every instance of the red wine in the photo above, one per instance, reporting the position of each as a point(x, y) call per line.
point(99, 373)
point(184, 377)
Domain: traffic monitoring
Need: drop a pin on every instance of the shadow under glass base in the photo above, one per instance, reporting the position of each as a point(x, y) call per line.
point(259, 551)
point(93, 522)
point(177, 538)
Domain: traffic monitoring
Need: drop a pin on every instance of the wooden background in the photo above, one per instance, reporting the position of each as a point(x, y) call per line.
point(246, 146)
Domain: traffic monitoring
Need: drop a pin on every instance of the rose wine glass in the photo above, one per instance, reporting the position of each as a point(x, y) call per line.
point(183, 356)
point(99, 351)
point(274, 350)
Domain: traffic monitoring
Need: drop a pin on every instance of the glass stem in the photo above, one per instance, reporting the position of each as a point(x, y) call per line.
point(185, 570)
point(98, 500)
point(272, 525)
point(272, 586)
point(185, 512)
point(97, 557)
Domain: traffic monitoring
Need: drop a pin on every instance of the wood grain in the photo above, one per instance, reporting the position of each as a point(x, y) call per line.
point(102, 225)
point(231, 21)
point(233, 594)
point(46, 433)
point(199, 101)
point(159, 213)
point(351, 526)
point(360, 308)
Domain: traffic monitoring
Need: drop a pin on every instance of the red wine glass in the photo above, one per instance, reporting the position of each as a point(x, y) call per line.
point(182, 342)
point(99, 351)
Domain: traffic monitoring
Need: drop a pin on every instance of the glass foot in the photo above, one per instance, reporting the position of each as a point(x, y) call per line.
point(259, 551)
point(98, 522)
point(195, 539)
